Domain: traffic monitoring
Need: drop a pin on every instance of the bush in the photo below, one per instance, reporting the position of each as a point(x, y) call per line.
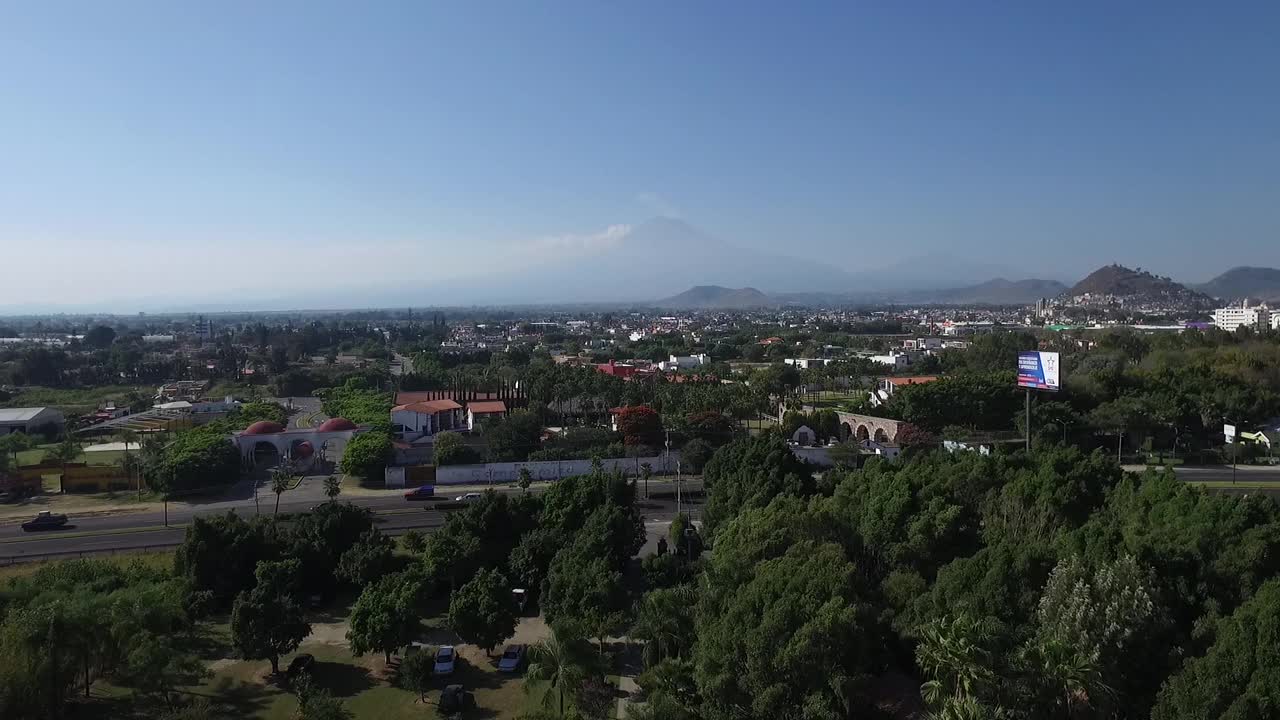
point(367, 455)
point(450, 449)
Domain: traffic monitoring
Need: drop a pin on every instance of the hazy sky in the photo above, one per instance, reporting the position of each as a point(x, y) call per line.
point(227, 148)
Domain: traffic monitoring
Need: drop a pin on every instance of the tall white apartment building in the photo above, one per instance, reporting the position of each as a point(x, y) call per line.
point(1259, 317)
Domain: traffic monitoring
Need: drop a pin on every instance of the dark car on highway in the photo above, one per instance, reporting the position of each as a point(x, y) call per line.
point(45, 521)
point(425, 492)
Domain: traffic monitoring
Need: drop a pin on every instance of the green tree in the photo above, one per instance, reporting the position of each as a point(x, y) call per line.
point(281, 482)
point(695, 454)
point(751, 472)
point(1239, 676)
point(483, 611)
point(451, 449)
point(219, 555)
point(99, 336)
point(315, 703)
point(785, 632)
point(665, 621)
point(955, 656)
point(514, 437)
point(332, 487)
point(367, 455)
point(267, 621)
point(63, 453)
point(385, 617)
point(417, 671)
point(560, 662)
point(369, 559)
point(14, 443)
point(156, 666)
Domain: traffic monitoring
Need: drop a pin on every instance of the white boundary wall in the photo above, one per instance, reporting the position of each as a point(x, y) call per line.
point(492, 473)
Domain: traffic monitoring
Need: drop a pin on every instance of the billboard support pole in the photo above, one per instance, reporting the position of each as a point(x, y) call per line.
point(1028, 421)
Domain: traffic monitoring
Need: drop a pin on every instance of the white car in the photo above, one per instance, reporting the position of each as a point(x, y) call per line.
point(446, 656)
point(469, 497)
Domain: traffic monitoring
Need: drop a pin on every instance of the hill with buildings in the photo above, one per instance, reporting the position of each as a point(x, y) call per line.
point(1118, 281)
point(1260, 283)
point(998, 292)
point(715, 297)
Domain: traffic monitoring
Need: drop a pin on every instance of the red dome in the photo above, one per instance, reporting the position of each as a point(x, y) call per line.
point(263, 427)
point(303, 450)
point(335, 425)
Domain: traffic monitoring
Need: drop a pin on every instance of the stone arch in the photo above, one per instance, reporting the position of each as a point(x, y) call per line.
point(863, 433)
point(880, 436)
point(266, 454)
point(845, 431)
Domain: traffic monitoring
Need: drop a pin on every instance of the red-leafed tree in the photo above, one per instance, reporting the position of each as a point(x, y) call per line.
point(913, 437)
point(640, 425)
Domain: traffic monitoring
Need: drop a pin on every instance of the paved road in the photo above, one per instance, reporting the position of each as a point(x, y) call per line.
point(393, 515)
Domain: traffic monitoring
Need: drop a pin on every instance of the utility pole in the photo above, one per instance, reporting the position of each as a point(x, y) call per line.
point(677, 487)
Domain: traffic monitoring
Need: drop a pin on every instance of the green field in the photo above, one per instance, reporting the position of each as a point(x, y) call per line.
point(74, 401)
point(160, 559)
point(105, 457)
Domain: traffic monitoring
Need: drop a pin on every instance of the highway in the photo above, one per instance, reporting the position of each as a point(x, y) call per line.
point(392, 514)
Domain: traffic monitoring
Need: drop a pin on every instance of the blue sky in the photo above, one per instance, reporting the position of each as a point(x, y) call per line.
point(220, 149)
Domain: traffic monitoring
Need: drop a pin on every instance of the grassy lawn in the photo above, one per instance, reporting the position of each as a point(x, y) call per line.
point(161, 559)
point(367, 686)
point(103, 457)
point(77, 401)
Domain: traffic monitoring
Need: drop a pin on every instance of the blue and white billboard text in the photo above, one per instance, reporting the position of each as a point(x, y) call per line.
point(1038, 371)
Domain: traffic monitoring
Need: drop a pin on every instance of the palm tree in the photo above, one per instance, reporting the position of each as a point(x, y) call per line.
point(280, 479)
point(664, 621)
point(561, 664)
point(952, 654)
point(332, 487)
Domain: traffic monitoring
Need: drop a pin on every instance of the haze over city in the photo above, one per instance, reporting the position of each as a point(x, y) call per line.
point(318, 155)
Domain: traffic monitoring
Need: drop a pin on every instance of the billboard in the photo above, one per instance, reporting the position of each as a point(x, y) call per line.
point(1038, 370)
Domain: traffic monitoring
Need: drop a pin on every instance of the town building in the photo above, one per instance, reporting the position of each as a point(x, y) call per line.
point(42, 420)
point(808, 363)
point(481, 410)
point(1259, 317)
point(426, 418)
point(895, 359)
point(684, 362)
point(886, 387)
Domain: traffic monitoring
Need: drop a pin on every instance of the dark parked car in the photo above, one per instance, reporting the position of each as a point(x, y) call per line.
point(45, 521)
point(299, 665)
point(454, 700)
point(425, 492)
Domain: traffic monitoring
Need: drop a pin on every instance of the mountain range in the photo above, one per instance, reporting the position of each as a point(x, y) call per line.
point(665, 257)
point(714, 297)
point(1258, 283)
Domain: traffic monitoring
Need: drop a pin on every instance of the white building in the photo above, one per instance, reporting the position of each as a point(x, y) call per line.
point(1233, 318)
point(685, 362)
point(478, 411)
point(895, 359)
point(424, 419)
point(922, 344)
point(31, 420)
point(806, 363)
